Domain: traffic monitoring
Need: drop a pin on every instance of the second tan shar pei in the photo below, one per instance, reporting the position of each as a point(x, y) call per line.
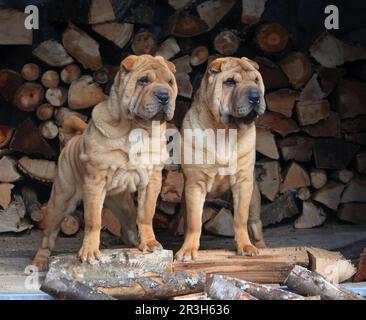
point(231, 96)
point(95, 165)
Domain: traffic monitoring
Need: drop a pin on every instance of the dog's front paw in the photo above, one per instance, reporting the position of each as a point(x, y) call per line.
point(41, 260)
point(186, 254)
point(247, 250)
point(89, 253)
point(150, 246)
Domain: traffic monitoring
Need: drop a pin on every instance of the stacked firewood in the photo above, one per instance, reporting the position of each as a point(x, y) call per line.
point(311, 159)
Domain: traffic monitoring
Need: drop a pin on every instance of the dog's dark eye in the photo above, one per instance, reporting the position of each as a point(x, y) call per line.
point(170, 82)
point(143, 81)
point(230, 82)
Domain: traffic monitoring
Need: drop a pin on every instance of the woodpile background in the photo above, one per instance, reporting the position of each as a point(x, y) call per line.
point(311, 159)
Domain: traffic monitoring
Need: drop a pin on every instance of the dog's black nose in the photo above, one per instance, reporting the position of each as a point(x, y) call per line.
point(162, 96)
point(254, 97)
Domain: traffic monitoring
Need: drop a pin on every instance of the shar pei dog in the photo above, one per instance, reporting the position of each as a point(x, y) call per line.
point(231, 96)
point(95, 166)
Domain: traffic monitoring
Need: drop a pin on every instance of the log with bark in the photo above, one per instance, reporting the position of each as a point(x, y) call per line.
point(70, 73)
point(53, 54)
point(29, 96)
point(38, 169)
point(72, 223)
point(8, 171)
point(56, 97)
point(271, 37)
point(50, 79)
point(307, 283)
point(144, 43)
point(5, 136)
point(45, 112)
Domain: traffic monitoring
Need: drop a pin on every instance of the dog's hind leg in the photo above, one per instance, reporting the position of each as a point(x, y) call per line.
point(62, 202)
point(124, 208)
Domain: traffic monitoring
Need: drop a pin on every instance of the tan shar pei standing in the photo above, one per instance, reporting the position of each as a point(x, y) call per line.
point(231, 96)
point(95, 165)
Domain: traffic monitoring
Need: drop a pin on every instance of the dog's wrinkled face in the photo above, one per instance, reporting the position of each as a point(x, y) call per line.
point(148, 87)
point(235, 91)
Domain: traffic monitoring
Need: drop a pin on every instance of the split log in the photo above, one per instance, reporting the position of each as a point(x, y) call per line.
point(352, 212)
point(172, 187)
point(296, 177)
point(357, 138)
point(27, 139)
point(331, 265)
point(101, 76)
point(29, 96)
point(63, 287)
point(52, 53)
point(343, 176)
point(351, 97)
point(10, 81)
point(30, 72)
point(167, 207)
point(82, 47)
point(199, 55)
point(70, 73)
point(212, 11)
point(331, 52)
point(330, 195)
point(318, 178)
point(221, 224)
point(312, 90)
point(266, 143)
point(32, 205)
point(282, 101)
point(12, 30)
point(311, 112)
point(354, 125)
point(252, 11)
point(72, 223)
point(271, 37)
point(85, 93)
point(110, 222)
point(38, 169)
point(268, 178)
point(118, 33)
point(278, 123)
point(8, 172)
point(226, 43)
point(5, 136)
point(5, 194)
point(329, 78)
point(361, 268)
point(100, 11)
point(193, 296)
point(297, 67)
point(355, 191)
point(219, 287)
point(50, 79)
point(48, 129)
point(62, 114)
point(12, 218)
point(312, 216)
point(303, 193)
point(168, 49)
point(144, 43)
point(45, 112)
point(307, 283)
point(272, 74)
point(283, 207)
point(208, 214)
point(361, 162)
point(57, 97)
point(270, 266)
point(179, 4)
point(227, 288)
point(329, 127)
point(183, 69)
point(183, 25)
point(296, 148)
point(333, 153)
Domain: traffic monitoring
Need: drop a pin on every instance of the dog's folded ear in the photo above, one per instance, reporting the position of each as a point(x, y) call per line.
point(171, 66)
point(251, 62)
point(215, 66)
point(129, 62)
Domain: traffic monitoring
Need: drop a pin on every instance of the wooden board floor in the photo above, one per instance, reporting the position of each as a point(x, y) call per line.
point(16, 250)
